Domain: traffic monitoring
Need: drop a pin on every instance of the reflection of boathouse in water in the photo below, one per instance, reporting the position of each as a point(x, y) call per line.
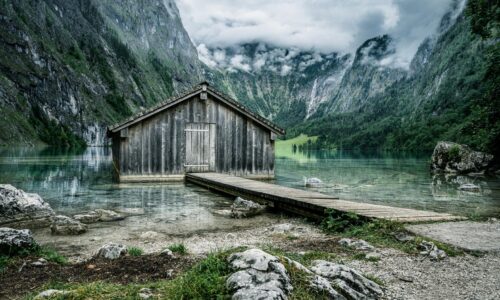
point(199, 131)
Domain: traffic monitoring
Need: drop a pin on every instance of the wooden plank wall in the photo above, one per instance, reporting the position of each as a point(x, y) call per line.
point(156, 146)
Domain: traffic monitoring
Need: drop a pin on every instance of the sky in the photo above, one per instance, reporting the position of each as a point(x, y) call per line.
point(321, 25)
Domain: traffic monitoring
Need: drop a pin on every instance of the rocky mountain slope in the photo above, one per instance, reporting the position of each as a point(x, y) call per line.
point(70, 67)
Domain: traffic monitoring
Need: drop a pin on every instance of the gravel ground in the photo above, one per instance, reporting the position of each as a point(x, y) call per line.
point(405, 276)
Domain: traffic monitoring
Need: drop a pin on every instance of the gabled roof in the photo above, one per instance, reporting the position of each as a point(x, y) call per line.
point(188, 95)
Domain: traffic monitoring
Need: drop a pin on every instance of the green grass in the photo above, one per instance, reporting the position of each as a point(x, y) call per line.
point(135, 251)
point(205, 280)
point(284, 148)
point(178, 248)
point(38, 251)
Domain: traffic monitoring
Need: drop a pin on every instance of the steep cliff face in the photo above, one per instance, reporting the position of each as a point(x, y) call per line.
point(285, 85)
point(68, 67)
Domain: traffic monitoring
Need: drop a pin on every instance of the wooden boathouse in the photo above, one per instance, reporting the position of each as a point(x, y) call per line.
point(202, 130)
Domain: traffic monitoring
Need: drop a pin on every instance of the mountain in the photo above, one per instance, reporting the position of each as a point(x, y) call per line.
point(450, 92)
point(68, 68)
point(369, 100)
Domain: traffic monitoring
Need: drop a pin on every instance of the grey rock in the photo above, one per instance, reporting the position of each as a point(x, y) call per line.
point(356, 244)
point(258, 275)
point(20, 209)
point(112, 251)
point(51, 293)
point(40, 262)
point(252, 258)
point(451, 157)
point(349, 282)
point(242, 208)
point(99, 215)
point(15, 239)
point(469, 187)
point(323, 286)
point(282, 228)
point(312, 182)
point(145, 293)
point(431, 250)
point(167, 253)
point(297, 265)
point(403, 237)
point(63, 225)
point(373, 256)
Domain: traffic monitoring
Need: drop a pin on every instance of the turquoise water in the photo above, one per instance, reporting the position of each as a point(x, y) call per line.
point(76, 182)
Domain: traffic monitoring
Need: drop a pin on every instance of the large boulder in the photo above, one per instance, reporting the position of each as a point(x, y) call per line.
point(451, 157)
point(62, 225)
point(258, 275)
point(13, 240)
point(19, 209)
point(242, 208)
point(335, 279)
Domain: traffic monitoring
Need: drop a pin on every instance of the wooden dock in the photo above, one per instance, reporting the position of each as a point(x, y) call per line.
point(308, 203)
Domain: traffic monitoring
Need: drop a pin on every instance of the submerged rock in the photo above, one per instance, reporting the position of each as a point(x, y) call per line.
point(20, 209)
point(13, 240)
point(242, 208)
point(347, 281)
point(112, 251)
point(98, 215)
point(469, 187)
point(258, 275)
point(455, 158)
point(63, 225)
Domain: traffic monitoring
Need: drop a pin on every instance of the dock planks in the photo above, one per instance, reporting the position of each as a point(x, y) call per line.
point(309, 203)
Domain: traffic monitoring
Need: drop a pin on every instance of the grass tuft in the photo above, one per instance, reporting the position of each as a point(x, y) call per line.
point(135, 251)
point(178, 248)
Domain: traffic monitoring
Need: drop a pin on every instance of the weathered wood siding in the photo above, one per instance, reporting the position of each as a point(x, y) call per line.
point(157, 145)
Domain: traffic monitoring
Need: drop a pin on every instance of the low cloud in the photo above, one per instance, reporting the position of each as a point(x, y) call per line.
point(320, 25)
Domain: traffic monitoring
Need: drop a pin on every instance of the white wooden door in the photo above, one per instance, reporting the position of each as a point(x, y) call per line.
point(200, 147)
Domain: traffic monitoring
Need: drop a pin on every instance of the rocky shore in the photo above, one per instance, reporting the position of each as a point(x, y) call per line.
point(271, 256)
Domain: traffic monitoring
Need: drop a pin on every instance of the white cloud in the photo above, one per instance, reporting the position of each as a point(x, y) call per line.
point(323, 25)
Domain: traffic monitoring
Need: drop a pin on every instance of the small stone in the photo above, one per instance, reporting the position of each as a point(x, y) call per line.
point(145, 293)
point(404, 278)
point(403, 237)
point(112, 251)
point(282, 228)
point(373, 256)
point(51, 293)
point(63, 225)
point(150, 235)
point(356, 244)
point(90, 267)
point(40, 262)
point(167, 253)
point(437, 254)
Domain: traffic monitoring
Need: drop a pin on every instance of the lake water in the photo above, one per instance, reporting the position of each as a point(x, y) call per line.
point(76, 182)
